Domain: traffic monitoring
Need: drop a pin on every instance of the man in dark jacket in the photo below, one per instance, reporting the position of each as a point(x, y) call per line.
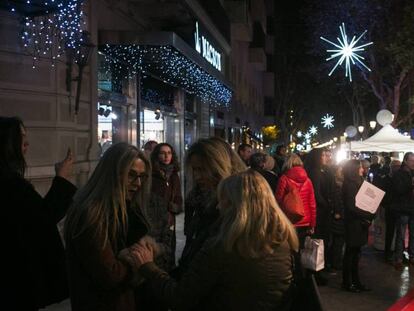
point(403, 205)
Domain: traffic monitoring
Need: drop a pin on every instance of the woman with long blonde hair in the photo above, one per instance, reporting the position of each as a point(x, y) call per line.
point(208, 162)
point(107, 217)
point(246, 266)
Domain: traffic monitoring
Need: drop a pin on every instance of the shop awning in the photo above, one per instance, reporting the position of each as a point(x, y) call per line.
point(168, 57)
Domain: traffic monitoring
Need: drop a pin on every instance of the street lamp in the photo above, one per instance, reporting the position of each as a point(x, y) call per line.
point(372, 124)
point(361, 130)
point(81, 58)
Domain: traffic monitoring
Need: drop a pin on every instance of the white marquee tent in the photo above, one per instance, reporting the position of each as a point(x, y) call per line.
point(387, 139)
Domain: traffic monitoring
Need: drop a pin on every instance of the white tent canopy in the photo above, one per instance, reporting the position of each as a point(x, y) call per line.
point(386, 139)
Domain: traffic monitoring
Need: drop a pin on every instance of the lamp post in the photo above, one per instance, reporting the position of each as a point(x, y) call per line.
point(360, 130)
point(81, 59)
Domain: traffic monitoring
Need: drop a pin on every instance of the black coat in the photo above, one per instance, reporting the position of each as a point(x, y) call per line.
point(403, 199)
point(357, 221)
point(220, 280)
point(200, 224)
point(33, 252)
point(323, 184)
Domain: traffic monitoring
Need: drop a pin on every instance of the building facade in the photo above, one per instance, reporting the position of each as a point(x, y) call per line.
point(171, 71)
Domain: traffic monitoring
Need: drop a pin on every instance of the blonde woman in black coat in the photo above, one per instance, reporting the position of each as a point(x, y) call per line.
point(247, 265)
point(357, 223)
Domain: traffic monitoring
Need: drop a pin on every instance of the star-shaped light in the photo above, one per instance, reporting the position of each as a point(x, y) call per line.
point(313, 130)
point(327, 121)
point(299, 134)
point(347, 51)
point(307, 136)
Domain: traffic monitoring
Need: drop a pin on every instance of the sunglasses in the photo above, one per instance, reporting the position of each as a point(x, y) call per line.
point(133, 177)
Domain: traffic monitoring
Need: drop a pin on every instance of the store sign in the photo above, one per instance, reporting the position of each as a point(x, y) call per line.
point(204, 47)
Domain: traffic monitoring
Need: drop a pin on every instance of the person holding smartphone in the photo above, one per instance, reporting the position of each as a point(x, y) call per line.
point(35, 255)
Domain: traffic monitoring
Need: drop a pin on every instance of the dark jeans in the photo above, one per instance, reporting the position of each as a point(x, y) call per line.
point(390, 220)
point(336, 250)
point(350, 271)
point(302, 233)
point(401, 224)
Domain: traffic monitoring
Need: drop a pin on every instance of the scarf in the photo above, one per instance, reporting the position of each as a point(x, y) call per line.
point(167, 169)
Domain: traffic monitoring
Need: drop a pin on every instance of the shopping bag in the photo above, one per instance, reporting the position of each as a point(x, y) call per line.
point(312, 256)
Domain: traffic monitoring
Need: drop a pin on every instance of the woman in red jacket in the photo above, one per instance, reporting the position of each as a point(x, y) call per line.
point(294, 175)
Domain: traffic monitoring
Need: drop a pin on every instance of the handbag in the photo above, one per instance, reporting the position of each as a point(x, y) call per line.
point(292, 204)
point(312, 256)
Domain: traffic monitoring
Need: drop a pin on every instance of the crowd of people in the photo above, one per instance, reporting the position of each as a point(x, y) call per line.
point(242, 248)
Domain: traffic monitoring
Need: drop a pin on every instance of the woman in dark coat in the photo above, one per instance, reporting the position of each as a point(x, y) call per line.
point(323, 184)
point(166, 201)
point(357, 222)
point(246, 266)
point(208, 161)
point(30, 239)
point(104, 221)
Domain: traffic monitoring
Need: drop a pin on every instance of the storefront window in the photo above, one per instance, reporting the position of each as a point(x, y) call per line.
point(152, 126)
point(109, 126)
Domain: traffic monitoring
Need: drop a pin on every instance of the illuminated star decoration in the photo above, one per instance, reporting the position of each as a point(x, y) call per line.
point(347, 51)
point(307, 136)
point(299, 134)
point(327, 121)
point(313, 130)
point(299, 147)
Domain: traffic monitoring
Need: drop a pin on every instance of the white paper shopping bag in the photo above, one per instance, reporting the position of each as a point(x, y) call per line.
point(312, 256)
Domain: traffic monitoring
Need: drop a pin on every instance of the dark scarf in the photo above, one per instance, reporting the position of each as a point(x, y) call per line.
point(167, 170)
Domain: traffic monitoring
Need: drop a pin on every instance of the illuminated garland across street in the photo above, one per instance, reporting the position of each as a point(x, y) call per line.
point(166, 63)
point(56, 29)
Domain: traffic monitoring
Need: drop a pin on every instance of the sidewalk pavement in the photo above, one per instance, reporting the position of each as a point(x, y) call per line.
point(387, 284)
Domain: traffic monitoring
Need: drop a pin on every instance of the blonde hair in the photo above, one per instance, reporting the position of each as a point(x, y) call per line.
point(100, 205)
point(292, 161)
point(237, 164)
point(219, 158)
point(251, 221)
point(270, 163)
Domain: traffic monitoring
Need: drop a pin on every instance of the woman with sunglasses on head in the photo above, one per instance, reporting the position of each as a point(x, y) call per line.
point(166, 201)
point(209, 160)
point(105, 220)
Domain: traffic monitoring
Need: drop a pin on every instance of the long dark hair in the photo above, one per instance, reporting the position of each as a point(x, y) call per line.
point(156, 163)
point(11, 157)
point(313, 160)
point(351, 171)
